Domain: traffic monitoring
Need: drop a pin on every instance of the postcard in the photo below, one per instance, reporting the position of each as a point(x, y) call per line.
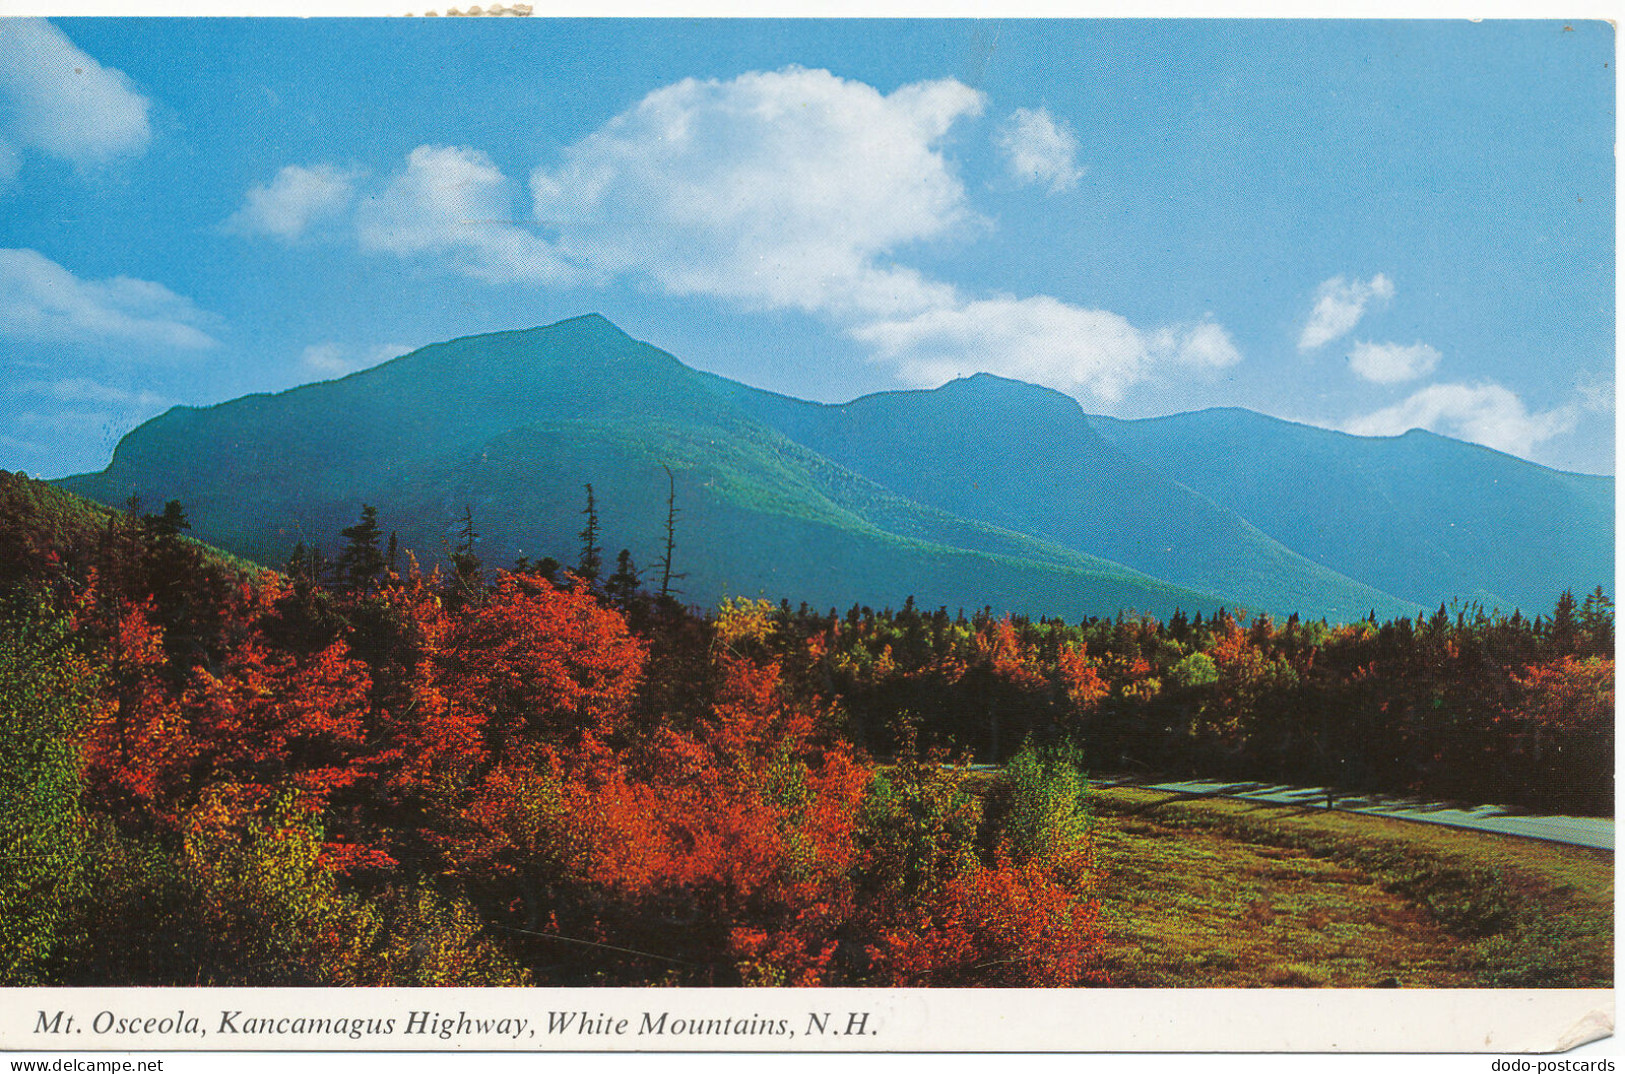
point(836, 535)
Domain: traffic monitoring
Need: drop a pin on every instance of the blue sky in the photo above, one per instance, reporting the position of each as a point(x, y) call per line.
point(1369, 226)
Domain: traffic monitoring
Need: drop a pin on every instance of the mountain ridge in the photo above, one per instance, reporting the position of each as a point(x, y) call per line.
point(985, 487)
point(1415, 512)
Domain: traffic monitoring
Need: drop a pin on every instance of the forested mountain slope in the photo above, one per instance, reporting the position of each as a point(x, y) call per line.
point(982, 492)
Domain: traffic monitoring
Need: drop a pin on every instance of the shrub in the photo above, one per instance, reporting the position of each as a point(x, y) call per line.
point(45, 705)
point(1038, 812)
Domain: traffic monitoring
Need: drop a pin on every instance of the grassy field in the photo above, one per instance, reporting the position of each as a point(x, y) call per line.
point(1226, 894)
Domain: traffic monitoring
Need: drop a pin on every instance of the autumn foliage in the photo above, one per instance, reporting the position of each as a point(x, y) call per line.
point(493, 778)
point(225, 775)
point(1463, 704)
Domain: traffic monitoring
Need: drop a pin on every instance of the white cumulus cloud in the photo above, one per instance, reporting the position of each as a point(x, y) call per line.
point(791, 189)
point(1487, 414)
point(775, 189)
point(456, 204)
point(1044, 340)
point(44, 302)
point(1339, 305)
point(1205, 346)
point(57, 100)
point(1039, 149)
point(1392, 363)
point(287, 206)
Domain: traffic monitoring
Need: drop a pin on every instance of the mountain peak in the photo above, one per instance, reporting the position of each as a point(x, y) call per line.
point(993, 382)
point(589, 322)
point(992, 390)
point(592, 328)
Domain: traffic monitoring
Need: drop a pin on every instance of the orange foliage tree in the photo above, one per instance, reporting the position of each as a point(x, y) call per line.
point(549, 667)
point(1562, 714)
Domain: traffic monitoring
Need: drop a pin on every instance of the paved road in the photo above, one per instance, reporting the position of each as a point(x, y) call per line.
point(1577, 831)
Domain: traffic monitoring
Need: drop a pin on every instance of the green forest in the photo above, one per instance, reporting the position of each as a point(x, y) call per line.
point(376, 769)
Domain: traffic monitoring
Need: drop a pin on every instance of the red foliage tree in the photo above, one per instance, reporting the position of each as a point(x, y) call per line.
point(1561, 719)
point(140, 750)
point(550, 668)
point(271, 720)
point(1004, 925)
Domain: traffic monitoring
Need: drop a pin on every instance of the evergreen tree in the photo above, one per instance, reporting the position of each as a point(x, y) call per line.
point(622, 586)
point(362, 561)
point(1564, 631)
point(1597, 624)
point(170, 523)
point(170, 561)
point(592, 555)
point(177, 578)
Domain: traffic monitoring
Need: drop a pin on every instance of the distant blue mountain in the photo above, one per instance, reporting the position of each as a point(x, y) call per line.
point(985, 492)
point(1421, 516)
point(1027, 459)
